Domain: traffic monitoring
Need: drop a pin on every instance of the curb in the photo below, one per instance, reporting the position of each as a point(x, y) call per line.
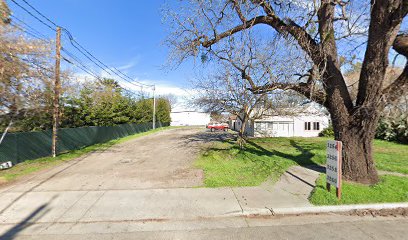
point(322, 209)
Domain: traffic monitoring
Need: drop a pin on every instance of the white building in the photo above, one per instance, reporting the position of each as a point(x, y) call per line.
point(189, 118)
point(298, 122)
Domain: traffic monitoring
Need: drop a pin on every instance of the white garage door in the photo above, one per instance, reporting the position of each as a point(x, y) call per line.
point(282, 129)
point(275, 129)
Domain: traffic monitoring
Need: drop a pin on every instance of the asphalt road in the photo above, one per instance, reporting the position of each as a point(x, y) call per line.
point(297, 227)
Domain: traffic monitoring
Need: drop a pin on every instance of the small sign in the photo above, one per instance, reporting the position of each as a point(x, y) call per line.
point(333, 165)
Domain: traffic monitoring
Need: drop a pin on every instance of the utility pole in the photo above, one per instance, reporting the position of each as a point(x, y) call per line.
point(154, 107)
point(57, 88)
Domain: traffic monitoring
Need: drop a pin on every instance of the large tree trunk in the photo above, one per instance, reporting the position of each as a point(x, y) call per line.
point(357, 135)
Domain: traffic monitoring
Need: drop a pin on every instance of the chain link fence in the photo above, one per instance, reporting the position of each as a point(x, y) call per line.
point(19, 147)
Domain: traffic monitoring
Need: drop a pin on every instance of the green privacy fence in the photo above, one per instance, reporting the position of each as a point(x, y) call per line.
point(18, 147)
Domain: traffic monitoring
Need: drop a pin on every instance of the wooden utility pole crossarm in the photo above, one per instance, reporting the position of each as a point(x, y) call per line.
point(57, 88)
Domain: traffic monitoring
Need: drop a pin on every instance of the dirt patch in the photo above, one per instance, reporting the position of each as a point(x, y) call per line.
point(382, 212)
point(2, 181)
point(160, 160)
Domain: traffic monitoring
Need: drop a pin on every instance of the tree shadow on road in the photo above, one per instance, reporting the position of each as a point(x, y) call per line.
point(207, 137)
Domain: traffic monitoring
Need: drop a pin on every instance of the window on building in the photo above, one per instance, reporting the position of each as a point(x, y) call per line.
point(316, 126)
point(308, 126)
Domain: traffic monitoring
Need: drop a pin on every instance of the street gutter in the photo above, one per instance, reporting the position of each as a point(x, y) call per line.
point(324, 209)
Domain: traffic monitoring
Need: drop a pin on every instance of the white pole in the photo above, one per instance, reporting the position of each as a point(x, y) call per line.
point(154, 107)
point(5, 131)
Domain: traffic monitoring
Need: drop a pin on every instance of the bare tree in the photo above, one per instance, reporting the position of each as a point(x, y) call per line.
point(4, 13)
point(328, 33)
point(25, 74)
point(171, 98)
point(226, 92)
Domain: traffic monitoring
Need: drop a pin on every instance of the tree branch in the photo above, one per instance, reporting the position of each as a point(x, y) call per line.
point(238, 10)
point(400, 86)
point(248, 24)
point(303, 88)
point(244, 75)
point(305, 41)
point(386, 17)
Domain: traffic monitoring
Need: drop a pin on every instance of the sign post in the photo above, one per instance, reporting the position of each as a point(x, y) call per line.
point(333, 166)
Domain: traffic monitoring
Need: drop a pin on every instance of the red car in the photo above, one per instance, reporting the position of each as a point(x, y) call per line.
point(217, 126)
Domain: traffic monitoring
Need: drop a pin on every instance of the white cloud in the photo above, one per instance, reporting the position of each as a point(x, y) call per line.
point(129, 65)
point(163, 88)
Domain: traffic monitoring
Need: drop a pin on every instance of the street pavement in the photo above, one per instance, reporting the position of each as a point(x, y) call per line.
point(290, 227)
point(147, 188)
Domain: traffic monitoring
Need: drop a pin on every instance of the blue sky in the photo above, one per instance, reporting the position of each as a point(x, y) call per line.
point(128, 35)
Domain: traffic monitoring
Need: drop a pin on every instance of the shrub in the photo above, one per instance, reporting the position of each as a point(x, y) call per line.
point(393, 130)
point(327, 132)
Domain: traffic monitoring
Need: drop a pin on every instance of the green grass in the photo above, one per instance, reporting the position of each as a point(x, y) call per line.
point(388, 156)
point(225, 165)
point(31, 166)
point(391, 156)
point(267, 158)
point(389, 189)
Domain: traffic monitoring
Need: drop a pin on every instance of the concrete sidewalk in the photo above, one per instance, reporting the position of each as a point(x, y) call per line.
point(292, 190)
point(172, 203)
point(65, 214)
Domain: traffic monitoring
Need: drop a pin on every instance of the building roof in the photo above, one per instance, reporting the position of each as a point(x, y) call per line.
point(299, 110)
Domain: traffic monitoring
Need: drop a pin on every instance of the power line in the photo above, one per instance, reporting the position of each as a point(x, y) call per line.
point(88, 55)
point(25, 31)
point(42, 15)
point(73, 42)
point(32, 34)
point(29, 12)
point(82, 65)
point(29, 27)
point(82, 68)
point(80, 48)
point(75, 58)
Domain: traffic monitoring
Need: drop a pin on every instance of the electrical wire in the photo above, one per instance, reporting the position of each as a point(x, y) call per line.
point(88, 55)
point(42, 15)
point(29, 12)
point(28, 27)
point(79, 48)
point(80, 67)
point(32, 34)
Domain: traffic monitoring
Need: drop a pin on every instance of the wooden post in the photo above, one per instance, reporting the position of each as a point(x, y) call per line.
point(338, 190)
point(57, 88)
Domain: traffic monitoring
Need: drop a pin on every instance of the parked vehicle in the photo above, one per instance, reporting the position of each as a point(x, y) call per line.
point(217, 126)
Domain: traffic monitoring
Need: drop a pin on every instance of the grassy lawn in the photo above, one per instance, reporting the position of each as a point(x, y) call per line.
point(391, 157)
point(268, 158)
point(225, 165)
point(389, 189)
point(388, 156)
point(31, 166)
